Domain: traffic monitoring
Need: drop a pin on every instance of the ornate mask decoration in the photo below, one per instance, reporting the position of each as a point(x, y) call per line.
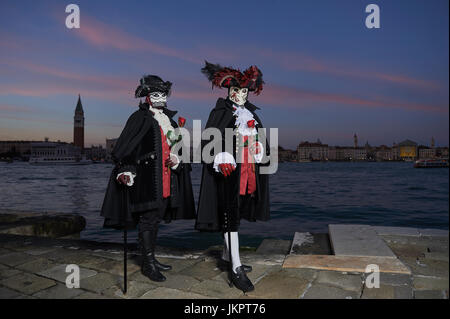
point(158, 99)
point(238, 95)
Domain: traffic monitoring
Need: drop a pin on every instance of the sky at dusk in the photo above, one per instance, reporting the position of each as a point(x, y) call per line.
point(327, 76)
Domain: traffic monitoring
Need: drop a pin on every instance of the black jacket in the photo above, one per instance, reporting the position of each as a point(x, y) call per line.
point(218, 193)
point(139, 150)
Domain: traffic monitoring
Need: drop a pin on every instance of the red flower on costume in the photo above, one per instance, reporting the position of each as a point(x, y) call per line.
point(181, 121)
point(251, 123)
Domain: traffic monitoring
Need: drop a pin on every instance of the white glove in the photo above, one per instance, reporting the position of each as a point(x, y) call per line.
point(223, 158)
point(130, 175)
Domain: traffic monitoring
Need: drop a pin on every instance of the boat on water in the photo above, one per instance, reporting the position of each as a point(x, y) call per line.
point(431, 163)
point(61, 160)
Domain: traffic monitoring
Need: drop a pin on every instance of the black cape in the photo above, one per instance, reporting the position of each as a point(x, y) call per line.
point(218, 193)
point(121, 203)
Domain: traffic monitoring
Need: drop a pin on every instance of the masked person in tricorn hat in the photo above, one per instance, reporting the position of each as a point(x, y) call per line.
point(232, 186)
point(158, 182)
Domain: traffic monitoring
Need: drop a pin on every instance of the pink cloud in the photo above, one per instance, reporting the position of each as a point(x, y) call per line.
point(102, 35)
point(293, 97)
point(300, 62)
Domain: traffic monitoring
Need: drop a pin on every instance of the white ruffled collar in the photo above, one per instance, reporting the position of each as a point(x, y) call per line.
point(242, 117)
point(163, 120)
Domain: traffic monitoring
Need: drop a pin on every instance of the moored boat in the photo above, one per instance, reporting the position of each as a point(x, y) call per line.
point(431, 163)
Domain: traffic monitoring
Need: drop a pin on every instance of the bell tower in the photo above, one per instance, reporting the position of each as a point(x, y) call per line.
point(78, 125)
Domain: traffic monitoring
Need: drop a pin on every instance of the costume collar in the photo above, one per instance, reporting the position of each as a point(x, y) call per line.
point(166, 111)
point(229, 105)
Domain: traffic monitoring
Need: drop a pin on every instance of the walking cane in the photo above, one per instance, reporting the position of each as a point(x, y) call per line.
point(125, 248)
point(227, 227)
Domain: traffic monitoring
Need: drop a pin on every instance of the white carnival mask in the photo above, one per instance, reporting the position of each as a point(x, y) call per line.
point(238, 95)
point(158, 99)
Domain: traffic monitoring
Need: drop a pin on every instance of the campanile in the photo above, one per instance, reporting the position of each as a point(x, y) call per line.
point(78, 125)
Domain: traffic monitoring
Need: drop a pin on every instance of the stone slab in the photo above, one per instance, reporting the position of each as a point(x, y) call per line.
point(322, 291)
point(280, 285)
point(429, 294)
point(357, 240)
point(135, 289)
point(59, 291)
point(37, 265)
point(216, 289)
point(301, 239)
point(274, 247)
point(168, 293)
point(6, 293)
point(340, 280)
point(59, 273)
point(14, 259)
point(391, 230)
point(345, 263)
point(430, 283)
point(27, 283)
point(388, 292)
point(433, 232)
point(99, 282)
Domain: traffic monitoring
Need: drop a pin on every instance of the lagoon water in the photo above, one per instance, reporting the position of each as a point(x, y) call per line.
point(304, 197)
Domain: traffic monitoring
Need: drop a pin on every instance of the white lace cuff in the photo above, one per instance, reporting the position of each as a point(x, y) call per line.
point(130, 175)
point(177, 160)
point(223, 158)
point(258, 157)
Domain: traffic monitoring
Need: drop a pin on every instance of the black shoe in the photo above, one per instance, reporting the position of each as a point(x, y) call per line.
point(241, 281)
point(162, 267)
point(225, 264)
point(150, 269)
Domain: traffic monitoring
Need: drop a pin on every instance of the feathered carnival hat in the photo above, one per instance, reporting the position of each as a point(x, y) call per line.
point(152, 83)
point(227, 77)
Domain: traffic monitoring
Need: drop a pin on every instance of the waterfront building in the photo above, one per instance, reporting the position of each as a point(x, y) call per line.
point(426, 152)
point(95, 152)
point(407, 150)
point(385, 153)
point(312, 151)
point(54, 152)
point(285, 155)
point(78, 125)
point(15, 148)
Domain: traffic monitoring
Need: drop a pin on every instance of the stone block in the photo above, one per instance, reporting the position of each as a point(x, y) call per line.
point(357, 240)
point(27, 283)
point(168, 293)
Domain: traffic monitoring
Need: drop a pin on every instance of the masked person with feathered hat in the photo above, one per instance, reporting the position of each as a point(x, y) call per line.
point(158, 184)
point(232, 186)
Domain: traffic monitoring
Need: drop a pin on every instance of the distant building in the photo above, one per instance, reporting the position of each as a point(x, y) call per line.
point(312, 151)
point(426, 152)
point(15, 148)
point(285, 155)
point(442, 152)
point(54, 151)
point(407, 150)
point(359, 154)
point(95, 153)
point(78, 125)
point(385, 153)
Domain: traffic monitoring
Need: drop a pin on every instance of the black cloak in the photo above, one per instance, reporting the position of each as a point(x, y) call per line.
point(139, 150)
point(219, 193)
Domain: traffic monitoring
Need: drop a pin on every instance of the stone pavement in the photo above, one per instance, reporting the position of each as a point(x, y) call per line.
point(34, 267)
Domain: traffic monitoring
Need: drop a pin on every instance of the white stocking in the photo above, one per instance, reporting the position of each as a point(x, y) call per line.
point(234, 250)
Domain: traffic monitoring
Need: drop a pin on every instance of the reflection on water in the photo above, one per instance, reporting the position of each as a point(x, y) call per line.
point(304, 197)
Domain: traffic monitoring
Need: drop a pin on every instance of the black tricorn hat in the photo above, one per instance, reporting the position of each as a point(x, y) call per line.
point(152, 83)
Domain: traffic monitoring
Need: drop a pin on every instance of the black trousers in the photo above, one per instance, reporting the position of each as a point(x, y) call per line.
point(231, 220)
point(149, 220)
